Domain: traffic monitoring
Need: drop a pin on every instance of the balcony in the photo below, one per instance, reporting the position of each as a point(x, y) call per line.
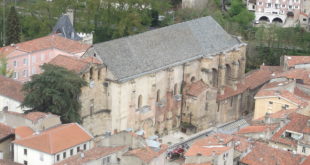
point(272, 11)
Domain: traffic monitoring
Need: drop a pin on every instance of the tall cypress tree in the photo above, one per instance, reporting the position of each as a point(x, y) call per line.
point(13, 27)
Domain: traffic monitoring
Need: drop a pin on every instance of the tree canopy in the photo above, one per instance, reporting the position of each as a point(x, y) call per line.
point(56, 90)
point(3, 67)
point(13, 27)
point(108, 19)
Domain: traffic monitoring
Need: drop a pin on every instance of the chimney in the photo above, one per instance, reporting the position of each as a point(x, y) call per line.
point(268, 133)
point(267, 118)
point(282, 123)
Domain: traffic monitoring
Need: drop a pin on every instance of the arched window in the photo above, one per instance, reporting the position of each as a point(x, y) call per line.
point(158, 95)
point(139, 101)
point(175, 90)
point(84, 77)
point(193, 79)
point(228, 75)
point(214, 77)
point(99, 74)
point(91, 71)
point(6, 108)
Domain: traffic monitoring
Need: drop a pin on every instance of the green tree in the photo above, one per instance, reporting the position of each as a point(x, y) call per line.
point(13, 27)
point(56, 90)
point(3, 67)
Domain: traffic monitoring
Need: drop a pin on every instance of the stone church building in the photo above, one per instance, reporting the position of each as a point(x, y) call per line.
point(156, 80)
point(140, 84)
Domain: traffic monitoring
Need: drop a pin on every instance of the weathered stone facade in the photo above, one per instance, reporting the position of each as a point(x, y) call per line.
point(141, 92)
point(218, 72)
point(153, 102)
point(95, 110)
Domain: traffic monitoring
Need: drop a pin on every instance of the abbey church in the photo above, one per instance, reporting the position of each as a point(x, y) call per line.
point(164, 79)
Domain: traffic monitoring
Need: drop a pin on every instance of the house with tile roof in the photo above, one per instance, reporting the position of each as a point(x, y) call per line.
point(295, 62)
point(145, 156)
point(37, 121)
point(52, 145)
point(11, 95)
point(217, 149)
point(289, 136)
point(261, 131)
point(24, 59)
point(284, 91)
point(97, 155)
point(264, 154)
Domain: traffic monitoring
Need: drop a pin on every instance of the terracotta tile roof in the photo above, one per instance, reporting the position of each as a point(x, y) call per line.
point(214, 144)
point(282, 114)
point(252, 80)
point(243, 145)
point(56, 139)
point(92, 154)
point(297, 124)
point(257, 129)
point(196, 88)
point(50, 41)
point(32, 116)
point(8, 162)
point(23, 131)
point(11, 89)
point(301, 93)
point(262, 154)
point(146, 154)
point(5, 131)
point(73, 63)
point(295, 60)
point(306, 161)
point(282, 93)
point(306, 130)
point(304, 14)
point(35, 116)
point(302, 74)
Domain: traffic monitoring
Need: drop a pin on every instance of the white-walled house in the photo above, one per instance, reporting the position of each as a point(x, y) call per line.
point(52, 145)
point(11, 95)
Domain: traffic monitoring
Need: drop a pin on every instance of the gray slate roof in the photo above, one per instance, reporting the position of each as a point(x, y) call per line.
point(65, 28)
point(233, 127)
point(131, 57)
